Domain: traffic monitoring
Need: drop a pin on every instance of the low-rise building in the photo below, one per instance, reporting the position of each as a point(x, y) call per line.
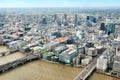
point(36, 50)
point(86, 60)
point(116, 65)
point(51, 45)
point(68, 55)
point(92, 51)
point(118, 51)
point(16, 45)
point(61, 39)
point(99, 49)
point(1, 40)
point(76, 61)
point(48, 55)
point(81, 50)
point(102, 63)
point(59, 49)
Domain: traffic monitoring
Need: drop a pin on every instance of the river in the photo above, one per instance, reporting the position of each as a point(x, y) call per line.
point(4, 48)
point(11, 57)
point(42, 70)
point(98, 76)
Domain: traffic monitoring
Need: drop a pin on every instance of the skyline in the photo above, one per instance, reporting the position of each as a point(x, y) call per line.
point(60, 3)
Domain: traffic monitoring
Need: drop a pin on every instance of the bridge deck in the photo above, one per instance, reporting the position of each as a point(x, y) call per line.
point(86, 71)
point(16, 62)
point(89, 69)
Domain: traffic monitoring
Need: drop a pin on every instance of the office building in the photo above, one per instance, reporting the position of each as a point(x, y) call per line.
point(76, 20)
point(102, 63)
point(102, 26)
point(91, 18)
point(68, 55)
point(110, 28)
point(44, 21)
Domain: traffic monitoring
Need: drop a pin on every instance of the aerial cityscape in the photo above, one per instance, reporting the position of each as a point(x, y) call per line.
point(59, 40)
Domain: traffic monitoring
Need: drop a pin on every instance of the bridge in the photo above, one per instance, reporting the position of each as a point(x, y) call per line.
point(89, 69)
point(86, 71)
point(7, 52)
point(16, 63)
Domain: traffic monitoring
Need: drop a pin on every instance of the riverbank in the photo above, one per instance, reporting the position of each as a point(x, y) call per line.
point(78, 66)
point(99, 76)
point(46, 70)
point(105, 73)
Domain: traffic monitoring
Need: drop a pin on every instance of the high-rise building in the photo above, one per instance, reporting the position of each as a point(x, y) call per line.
point(65, 22)
point(88, 23)
point(91, 18)
point(110, 28)
point(55, 17)
point(44, 21)
point(76, 20)
point(65, 16)
point(102, 26)
point(94, 20)
point(59, 22)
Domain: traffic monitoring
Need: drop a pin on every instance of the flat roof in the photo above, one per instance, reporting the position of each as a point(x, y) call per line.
point(36, 47)
point(70, 50)
point(62, 39)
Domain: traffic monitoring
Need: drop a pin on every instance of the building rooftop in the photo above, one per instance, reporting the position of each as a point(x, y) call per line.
point(70, 50)
point(117, 58)
point(62, 39)
point(59, 48)
point(36, 48)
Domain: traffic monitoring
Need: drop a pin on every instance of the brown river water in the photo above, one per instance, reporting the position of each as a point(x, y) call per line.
point(42, 70)
point(3, 48)
point(97, 76)
point(11, 57)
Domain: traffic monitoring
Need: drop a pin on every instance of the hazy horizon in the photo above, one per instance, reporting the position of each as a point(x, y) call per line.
point(59, 4)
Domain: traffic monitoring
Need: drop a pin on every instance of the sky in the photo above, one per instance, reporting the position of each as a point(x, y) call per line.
point(59, 3)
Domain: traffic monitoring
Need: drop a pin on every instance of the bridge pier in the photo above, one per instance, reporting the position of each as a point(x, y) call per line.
point(14, 66)
point(3, 71)
point(30, 60)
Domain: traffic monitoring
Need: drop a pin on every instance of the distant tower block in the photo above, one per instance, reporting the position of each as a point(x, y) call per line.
point(110, 28)
point(65, 16)
point(102, 26)
point(55, 17)
point(76, 20)
point(44, 21)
